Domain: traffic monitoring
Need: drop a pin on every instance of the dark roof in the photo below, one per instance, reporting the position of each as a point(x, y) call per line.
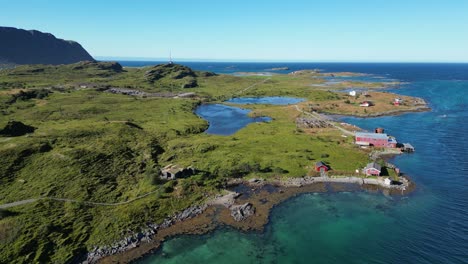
point(371, 135)
point(373, 165)
point(320, 164)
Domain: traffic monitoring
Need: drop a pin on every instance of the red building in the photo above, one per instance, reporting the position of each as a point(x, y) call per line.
point(319, 166)
point(375, 139)
point(373, 169)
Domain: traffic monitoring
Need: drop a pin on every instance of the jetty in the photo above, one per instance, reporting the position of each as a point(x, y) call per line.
point(407, 147)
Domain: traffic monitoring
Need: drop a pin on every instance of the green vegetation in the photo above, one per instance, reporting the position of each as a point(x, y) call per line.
point(95, 146)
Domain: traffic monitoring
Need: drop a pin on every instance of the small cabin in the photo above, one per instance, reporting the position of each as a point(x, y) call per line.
point(372, 169)
point(352, 93)
point(366, 103)
point(172, 172)
point(397, 101)
point(407, 147)
point(320, 166)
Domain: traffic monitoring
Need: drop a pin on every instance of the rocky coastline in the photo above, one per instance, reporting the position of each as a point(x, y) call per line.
point(143, 236)
point(245, 206)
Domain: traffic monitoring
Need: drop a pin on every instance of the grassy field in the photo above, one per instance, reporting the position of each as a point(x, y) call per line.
point(95, 146)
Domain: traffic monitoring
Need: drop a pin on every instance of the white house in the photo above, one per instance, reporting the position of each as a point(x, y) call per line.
point(387, 181)
point(352, 93)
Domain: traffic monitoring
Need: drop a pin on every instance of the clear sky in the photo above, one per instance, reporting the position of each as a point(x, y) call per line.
point(302, 30)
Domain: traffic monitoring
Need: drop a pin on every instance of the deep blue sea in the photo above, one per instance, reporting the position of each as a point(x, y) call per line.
point(428, 226)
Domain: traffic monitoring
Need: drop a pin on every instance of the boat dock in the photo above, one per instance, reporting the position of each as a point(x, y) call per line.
point(407, 147)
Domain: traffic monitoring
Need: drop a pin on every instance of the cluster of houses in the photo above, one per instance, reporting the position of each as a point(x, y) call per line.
point(371, 169)
point(368, 103)
point(365, 103)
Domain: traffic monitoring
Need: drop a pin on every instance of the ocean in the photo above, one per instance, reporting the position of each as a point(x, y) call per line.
point(429, 225)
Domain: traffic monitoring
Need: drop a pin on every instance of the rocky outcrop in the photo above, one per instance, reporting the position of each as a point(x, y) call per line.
point(18, 46)
point(190, 83)
point(137, 238)
point(111, 66)
point(16, 129)
point(206, 74)
point(170, 70)
point(242, 212)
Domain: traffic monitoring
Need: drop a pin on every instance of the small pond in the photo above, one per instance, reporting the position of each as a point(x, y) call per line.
point(226, 120)
point(271, 100)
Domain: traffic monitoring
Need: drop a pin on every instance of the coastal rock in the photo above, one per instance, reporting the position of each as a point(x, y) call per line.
point(242, 212)
point(137, 238)
point(256, 180)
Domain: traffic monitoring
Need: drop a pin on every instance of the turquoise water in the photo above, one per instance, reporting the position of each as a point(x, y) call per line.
point(269, 100)
point(428, 226)
point(226, 120)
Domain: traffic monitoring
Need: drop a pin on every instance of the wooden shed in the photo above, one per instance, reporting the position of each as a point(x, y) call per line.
point(320, 166)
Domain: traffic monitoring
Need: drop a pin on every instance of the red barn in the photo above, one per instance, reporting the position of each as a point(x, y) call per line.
point(319, 166)
point(372, 139)
point(373, 169)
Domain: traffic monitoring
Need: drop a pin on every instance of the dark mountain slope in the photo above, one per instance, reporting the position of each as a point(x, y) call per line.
point(18, 46)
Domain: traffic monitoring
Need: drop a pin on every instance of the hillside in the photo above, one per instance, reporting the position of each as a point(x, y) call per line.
point(18, 46)
point(91, 159)
point(158, 78)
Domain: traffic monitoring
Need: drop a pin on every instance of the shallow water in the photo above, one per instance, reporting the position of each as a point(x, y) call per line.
point(226, 120)
point(269, 100)
point(429, 226)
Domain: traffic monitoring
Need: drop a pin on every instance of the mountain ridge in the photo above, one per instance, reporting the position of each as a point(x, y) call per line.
point(20, 46)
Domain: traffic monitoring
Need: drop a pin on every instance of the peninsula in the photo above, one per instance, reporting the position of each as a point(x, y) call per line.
point(109, 160)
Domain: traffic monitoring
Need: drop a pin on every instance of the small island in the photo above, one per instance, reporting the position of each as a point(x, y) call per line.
point(279, 69)
point(120, 157)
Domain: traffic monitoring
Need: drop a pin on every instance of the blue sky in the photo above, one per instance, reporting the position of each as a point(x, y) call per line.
point(325, 30)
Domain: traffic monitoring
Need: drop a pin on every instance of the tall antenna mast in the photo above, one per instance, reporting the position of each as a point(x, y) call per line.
point(170, 57)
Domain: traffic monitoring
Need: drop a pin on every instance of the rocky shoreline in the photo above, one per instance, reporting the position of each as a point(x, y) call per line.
point(143, 236)
point(245, 209)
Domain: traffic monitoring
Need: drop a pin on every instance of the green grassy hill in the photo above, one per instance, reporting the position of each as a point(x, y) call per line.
point(93, 146)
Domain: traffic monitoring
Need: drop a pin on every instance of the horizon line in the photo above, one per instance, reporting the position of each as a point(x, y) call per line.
point(160, 59)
